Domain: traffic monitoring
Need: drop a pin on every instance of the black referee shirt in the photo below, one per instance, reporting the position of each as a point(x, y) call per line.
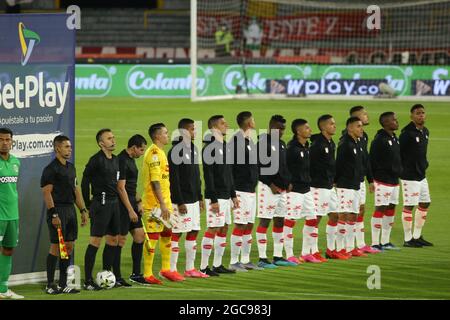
point(128, 172)
point(64, 181)
point(102, 175)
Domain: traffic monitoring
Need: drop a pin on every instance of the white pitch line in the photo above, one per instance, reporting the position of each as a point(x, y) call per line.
point(274, 292)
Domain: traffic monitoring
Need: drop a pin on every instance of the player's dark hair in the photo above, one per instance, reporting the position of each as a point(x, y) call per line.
point(6, 131)
point(137, 140)
point(297, 123)
point(417, 106)
point(213, 120)
point(355, 109)
point(154, 128)
point(351, 120)
point(276, 119)
point(183, 123)
point(99, 134)
point(59, 139)
point(322, 119)
point(242, 117)
point(384, 116)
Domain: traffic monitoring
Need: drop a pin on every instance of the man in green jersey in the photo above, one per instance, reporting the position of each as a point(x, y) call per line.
point(9, 211)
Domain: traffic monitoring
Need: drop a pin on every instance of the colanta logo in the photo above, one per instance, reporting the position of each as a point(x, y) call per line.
point(32, 38)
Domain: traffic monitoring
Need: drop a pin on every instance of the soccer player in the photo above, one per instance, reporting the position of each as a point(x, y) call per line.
point(9, 211)
point(219, 196)
point(349, 166)
point(245, 175)
point(361, 113)
point(186, 195)
point(323, 169)
point(413, 147)
point(299, 201)
point(130, 210)
point(60, 191)
point(272, 192)
point(100, 178)
point(386, 163)
point(156, 200)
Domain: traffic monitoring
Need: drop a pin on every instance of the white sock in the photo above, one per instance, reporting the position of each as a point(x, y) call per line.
point(349, 236)
point(246, 248)
point(220, 242)
point(331, 231)
point(359, 234)
point(340, 236)
point(174, 252)
point(387, 224)
point(261, 237)
point(207, 245)
point(419, 221)
point(236, 245)
point(190, 245)
point(375, 223)
point(315, 241)
point(407, 223)
point(277, 234)
point(308, 239)
point(288, 237)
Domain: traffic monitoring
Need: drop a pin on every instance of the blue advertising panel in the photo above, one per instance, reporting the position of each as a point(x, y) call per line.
point(37, 74)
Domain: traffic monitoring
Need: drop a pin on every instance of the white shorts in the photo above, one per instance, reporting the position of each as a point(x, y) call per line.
point(362, 193)
point(187, 222)
point(325, 201)
point(348, 200)
point(246, 212)
point(299, 205)
point(218, 220)
point(270, 205)
point(415, 192)
point(386, 194)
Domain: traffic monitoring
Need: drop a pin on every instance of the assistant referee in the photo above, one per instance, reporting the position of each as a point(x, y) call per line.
point(59, 187)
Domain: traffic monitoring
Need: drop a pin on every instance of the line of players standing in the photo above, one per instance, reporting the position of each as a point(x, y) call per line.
point(296, 181)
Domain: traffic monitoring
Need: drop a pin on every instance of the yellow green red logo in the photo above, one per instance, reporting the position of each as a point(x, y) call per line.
point(26, 35)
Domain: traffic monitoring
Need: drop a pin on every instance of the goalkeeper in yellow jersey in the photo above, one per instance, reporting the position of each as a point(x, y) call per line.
point(157, 205)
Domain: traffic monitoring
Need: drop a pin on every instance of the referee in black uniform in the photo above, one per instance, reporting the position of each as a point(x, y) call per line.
point(59, 186)
point(130, 209)
point(102, 174)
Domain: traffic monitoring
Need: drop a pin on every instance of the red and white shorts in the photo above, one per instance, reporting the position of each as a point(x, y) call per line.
point(299, 205)
point(386, 194)
point(270, 205)
point(218, 220)
point(246, 212)
point(187, 222)
point(325, 201)
point(348, 200)
point(415, 192)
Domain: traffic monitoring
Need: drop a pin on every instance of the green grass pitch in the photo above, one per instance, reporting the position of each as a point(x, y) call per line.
point(407, 274)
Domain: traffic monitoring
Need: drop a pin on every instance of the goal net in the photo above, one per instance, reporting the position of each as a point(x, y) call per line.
point(246, 48)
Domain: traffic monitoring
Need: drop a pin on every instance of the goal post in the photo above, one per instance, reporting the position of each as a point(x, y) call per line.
point(268, 49)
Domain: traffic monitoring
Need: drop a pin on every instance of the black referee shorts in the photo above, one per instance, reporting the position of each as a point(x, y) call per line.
point(69, 225)
point(105, 218)
point(126, 225)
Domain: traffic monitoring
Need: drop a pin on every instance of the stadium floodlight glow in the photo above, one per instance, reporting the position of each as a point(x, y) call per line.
point(49, 94)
